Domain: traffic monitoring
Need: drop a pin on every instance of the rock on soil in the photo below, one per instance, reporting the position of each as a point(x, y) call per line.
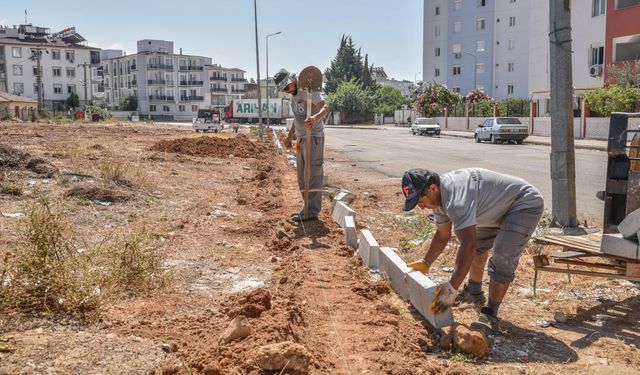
point(252, 304)
point(212, 370)
point(240, 146)
point(472, 342)
point(239, 328)
point(283, 355)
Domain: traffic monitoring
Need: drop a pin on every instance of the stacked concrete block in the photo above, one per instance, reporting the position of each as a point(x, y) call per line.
point(350, 235)
point(616, 244)
point(368, 249)
point(421, 295)
point(342, 196)
point(630, 226)
point(340, 211)
point(395, 268)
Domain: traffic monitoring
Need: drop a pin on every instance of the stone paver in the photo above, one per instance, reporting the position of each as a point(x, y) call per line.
point(350, 234)
point(368, 249)
point(395, 269)
point(340, 211)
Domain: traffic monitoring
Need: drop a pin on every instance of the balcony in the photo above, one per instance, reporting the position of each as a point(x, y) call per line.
point(216, 89)
point(239, 79)
point(193, 98)
point(191, 83)
point(191, 67)
point(95, 61)
point(218, 78)
point(134, 67)
point(134, 83)
point(168, 67)
point(161, 98)
point(156, 66)
point(238, 91)
point(157, 82)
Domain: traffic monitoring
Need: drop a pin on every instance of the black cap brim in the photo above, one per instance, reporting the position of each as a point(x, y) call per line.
point(410, 204)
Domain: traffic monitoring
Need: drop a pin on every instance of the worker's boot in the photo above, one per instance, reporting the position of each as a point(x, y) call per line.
point(487, 322)
point(465, 295)
point(299, 217)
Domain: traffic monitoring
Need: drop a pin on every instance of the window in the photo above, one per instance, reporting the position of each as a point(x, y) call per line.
point(18, 88)
point(16, 52)
point(437, 11)
point(166, 108)
point(181, 108)
point(35, 88)
point(480, 68)
point(35, 70)
point(481, 3)
point(194, 108)
point(457, 27)
point(509, 89)
point(436, 72)
point(71, 89)
point(510, 67)
point(69, 55)
point(71, 72)
point(620, 4)
point(437, 31)
point(512, 21)
point(456, 48)
point(456, 90)
point(456, 70)
point(480, 24)
point(57, 89)
point(480, 45)
point(597, 7)
point(512, 1)
point(437, 51)
point(17, 70)
point(57, 71)
point(596, 55)
point(55, 54)
point(512, 44)
point(457, 4)
point(152, 108)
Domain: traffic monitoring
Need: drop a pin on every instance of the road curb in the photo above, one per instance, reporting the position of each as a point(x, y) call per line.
point(352, 127)
point(540, 143)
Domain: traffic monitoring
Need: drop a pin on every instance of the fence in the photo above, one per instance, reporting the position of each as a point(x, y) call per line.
point(24, 114)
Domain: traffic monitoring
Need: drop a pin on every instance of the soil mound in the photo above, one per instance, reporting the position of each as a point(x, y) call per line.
point(251, 304)
point(11, 158)
point(97, 193)
point(240, 146)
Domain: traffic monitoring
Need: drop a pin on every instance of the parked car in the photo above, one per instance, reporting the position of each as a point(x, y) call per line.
point(425, 125)
point(502, 129)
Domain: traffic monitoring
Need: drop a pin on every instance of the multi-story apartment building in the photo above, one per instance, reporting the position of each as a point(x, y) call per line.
point(405, 87)
point(622, 39)
point(225, 85)
point(477, 43)
point(588, 22)
point(64, 56)
point(167, 85)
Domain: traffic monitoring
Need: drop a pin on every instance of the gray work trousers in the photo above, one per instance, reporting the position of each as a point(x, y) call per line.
point(315, 183)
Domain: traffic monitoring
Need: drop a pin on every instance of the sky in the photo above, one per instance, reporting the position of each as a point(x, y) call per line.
point(390, 31)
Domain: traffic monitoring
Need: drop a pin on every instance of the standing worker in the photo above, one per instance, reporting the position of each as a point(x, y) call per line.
point(288, 83)
point(486, 210)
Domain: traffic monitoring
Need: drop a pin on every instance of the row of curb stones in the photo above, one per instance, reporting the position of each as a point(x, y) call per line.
point(412, 286)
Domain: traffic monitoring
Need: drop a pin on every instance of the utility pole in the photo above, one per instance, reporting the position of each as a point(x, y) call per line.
point(267, 61)
point(255, 14)
point(84, 66)
point(37, 55)
point(563, 164)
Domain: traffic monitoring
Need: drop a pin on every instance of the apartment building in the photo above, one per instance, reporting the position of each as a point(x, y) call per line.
point(588, 24)
point(622, 37)
point(168, 86)
point(477, 43)
point(225, 85)
point(405, 87)
point(64, 56)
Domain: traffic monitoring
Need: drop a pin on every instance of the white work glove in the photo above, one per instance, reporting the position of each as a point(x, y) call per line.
point(444, 296)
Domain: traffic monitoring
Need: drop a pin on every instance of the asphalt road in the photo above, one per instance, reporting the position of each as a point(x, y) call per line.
point(393, 150)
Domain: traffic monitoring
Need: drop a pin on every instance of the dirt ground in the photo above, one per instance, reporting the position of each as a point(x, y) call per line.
point(222, 204)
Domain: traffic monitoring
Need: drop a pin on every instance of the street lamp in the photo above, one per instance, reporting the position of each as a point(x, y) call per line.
point(255, 13)
point(475, 68)
point(268, 109)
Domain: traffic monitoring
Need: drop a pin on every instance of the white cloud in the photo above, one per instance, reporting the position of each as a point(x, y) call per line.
point(116, 45)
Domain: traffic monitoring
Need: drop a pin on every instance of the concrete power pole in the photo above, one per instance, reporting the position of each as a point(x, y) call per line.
point(84, 66)
point(563, 169)
point(255, 13)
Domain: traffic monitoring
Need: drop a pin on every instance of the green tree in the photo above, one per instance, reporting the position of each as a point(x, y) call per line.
point(625, 75)
point(614, 98)
point(346, 65)
point(352, 100)
point(434, 98)
point(130, 103)
point(387, 99)
point(73, 101)
point(367, 80)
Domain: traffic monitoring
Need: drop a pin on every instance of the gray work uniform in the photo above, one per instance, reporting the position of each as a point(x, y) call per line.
point(504, 209)
point(299, 109)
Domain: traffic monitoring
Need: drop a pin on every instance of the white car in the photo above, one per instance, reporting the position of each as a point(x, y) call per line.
point(501, 130)
point(425, 125)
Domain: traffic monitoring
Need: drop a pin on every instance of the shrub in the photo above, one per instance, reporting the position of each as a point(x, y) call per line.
point(9, 188)
point(434, 99)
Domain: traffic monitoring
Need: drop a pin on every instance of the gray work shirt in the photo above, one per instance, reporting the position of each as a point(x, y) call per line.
point(476, 196)
point(299, 109)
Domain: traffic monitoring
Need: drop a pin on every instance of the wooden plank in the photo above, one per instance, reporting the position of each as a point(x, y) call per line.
point(589, 273)
point(589, 264)
point(633, 269)
point(634, 152)
point(570, 254)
